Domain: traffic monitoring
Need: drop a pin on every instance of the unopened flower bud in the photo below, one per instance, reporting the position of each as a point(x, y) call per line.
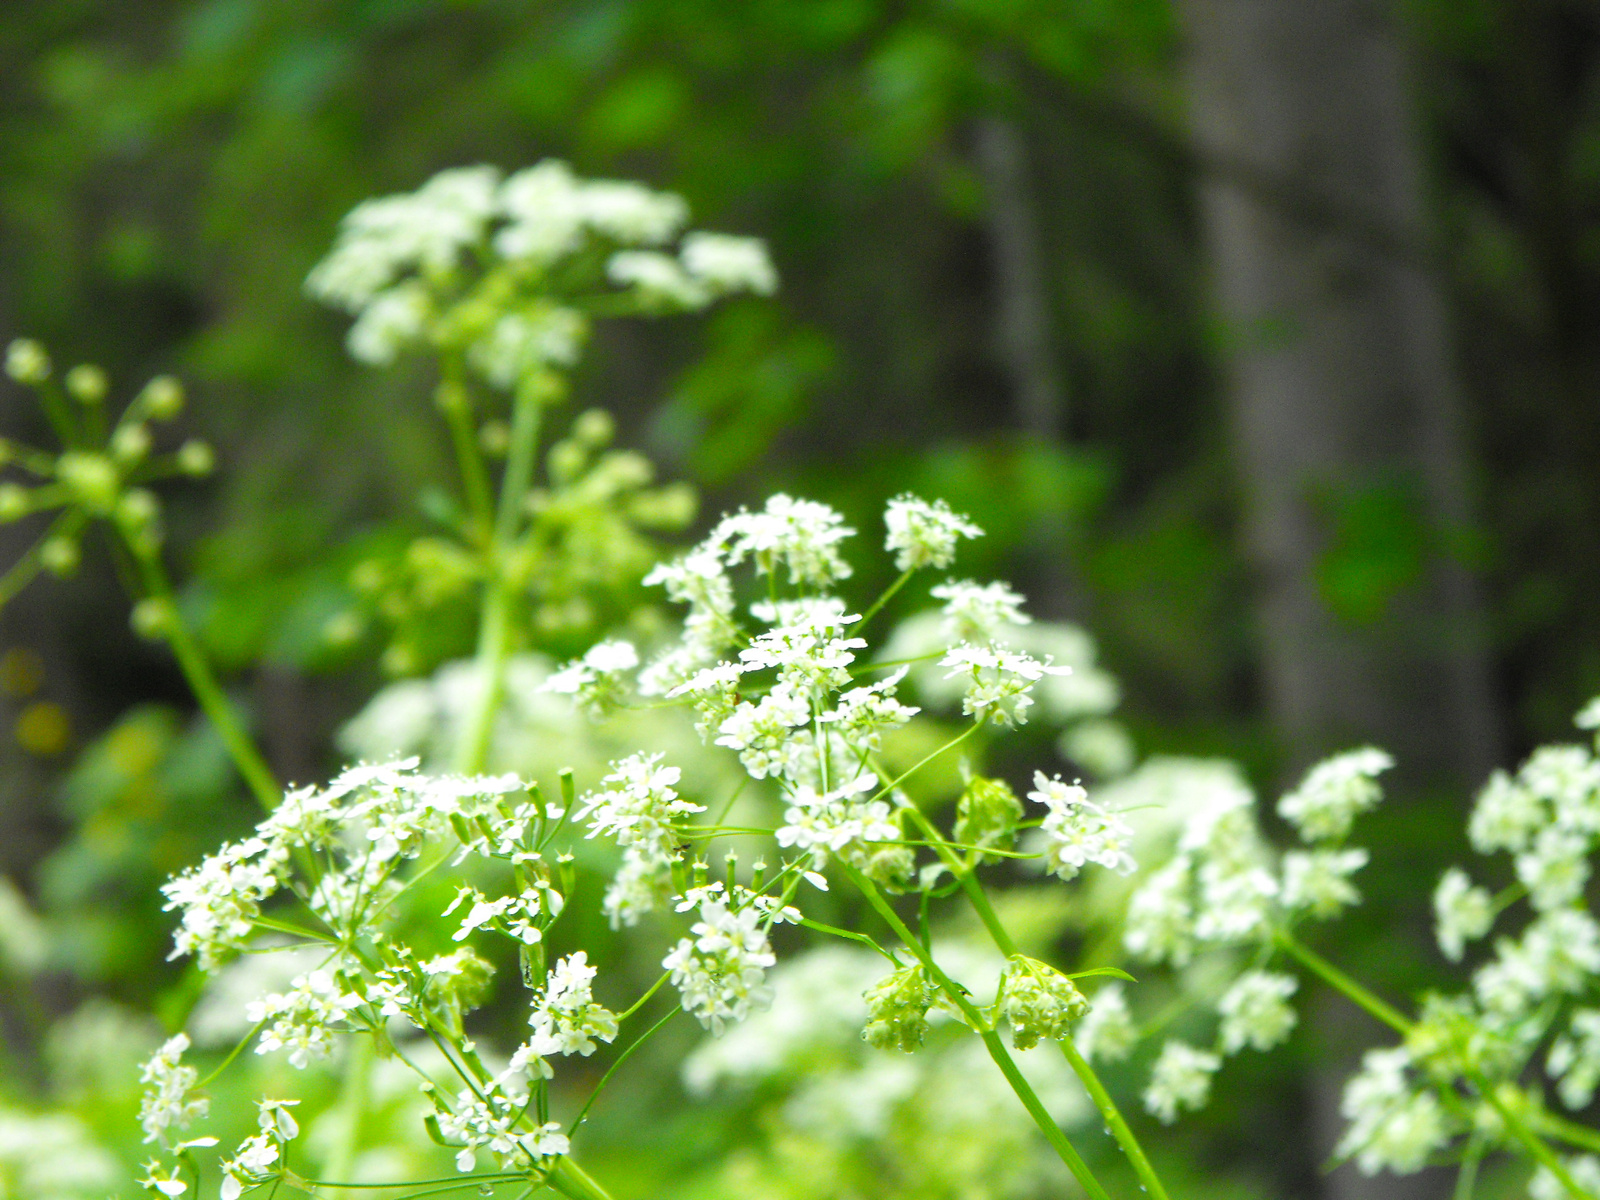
point(152, 618)
point(92, 479)
point(1038, 1001)
point(87, 383)
point(567, 460)
point(987, 813)
point(897, 1010)
point(14, 503)
point(27, 362)
point(138, 508)
point(59, 555)
point(495, 438)
point(343, 629)
point(196, 458)
point(130, 443)
point(594, 428)
point(162, 398)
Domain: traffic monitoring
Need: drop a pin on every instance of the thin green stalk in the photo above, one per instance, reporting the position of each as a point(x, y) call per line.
point(357, 1081)
point(571, 1180)
point(612, 1070)
point(1537, 1146)
point(1109, 1112)
point(455, 403)
point(1342, 983)
point(1556, 1126)
point(494, 630)
point(1467, 1175)
point(883, 599)
point(991, 1040)
point(192, 662)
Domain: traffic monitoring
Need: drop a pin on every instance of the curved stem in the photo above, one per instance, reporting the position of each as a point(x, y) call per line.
point(888, 595)
point(1342, 983)
point(991, 1040)
point(192, 662)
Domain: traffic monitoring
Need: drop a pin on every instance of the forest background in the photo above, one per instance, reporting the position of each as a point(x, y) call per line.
point(1259, 336)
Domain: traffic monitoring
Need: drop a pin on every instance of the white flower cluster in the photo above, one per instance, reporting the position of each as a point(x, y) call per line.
point(258, 1159)
point(493, 1122)
point(168, 1082)
point(638, 808)
point(720, 971)
point(1078, 832)
point(597, 679)
point(1395, 1123)
point(473, 258)
point(922, 534)
point(1334, 793)
point(303, 1019)
point(1181, 1078)
point(565, 1015)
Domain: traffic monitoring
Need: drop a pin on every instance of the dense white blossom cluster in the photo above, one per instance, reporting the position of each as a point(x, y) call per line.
point(1078, 832)
point(497, 266)
point(720, 970)
point(168, 1082)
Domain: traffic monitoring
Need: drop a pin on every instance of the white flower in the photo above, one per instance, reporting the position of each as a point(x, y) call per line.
point(697, 578)
point(811, 658)
point(1462, 912)
point(657, 278)
point(1392, 1126)
point(276, 1120)
point(922, 534)
point(1161, 920)
point(802, 535)
point(640, 886)
point(1334, 792)
point(221, 898)
point(1256, 1011)
point(1555, 867)
point(832, 821)
point(1107, 1033)
point(1585, 1172)
point(978, 612)
point(727, 264)
point(392, 323)
point(763, 733)
point(1181, 1078)
point(303, 1020)
point(168, 1082)
point(167, 1181)
point(720, 972)
point(997, 680)
point(491, 1123)
point(1505, 817)
point(538, 334)
point(565, 1014)
point(250, 1166)
point(1319, 880)
point(638, 807)
point(1078, 832)
point(1575, 1058)
point(1235, 899)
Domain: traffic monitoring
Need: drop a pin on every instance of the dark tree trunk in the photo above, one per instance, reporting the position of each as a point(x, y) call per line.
point(1343, 400)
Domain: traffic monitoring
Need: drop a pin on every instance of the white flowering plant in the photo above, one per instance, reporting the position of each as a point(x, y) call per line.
point(382, 902)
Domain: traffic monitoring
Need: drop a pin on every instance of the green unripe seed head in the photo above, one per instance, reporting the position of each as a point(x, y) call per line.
point(27, 362)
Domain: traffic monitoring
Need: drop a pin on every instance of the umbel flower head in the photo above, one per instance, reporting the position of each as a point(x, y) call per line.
point(897, 1009)
point(1038, 1001)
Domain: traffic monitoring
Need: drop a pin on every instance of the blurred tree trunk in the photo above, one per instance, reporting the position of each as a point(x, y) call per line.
point(1344, 410)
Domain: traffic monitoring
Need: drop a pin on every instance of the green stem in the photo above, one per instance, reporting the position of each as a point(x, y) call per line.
point(1109, 1112)
point(192, 662)
point(456, 404)
point(1556, 1126)
point(494, 629)
point(1467, 1176)
point(1537, 1146)
point(1341, 982)
point(357, 1080)
point(991, 1040)
point(882, 600)
point(571, 1180)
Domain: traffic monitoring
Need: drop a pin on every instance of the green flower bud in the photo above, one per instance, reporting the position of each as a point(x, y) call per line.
point(87, 383)
point(27, 362)
point(92, 478)
point(162, 398)
point(594, 428)
point(196, 458)
point(59, 555)
point(567, 460)
point(130, 443)
point(343, 629)
point(152, 618)
point(897, 1010)
point(14, 503)
point(1038, 1001)
point(495, 438)
point(987, 813)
